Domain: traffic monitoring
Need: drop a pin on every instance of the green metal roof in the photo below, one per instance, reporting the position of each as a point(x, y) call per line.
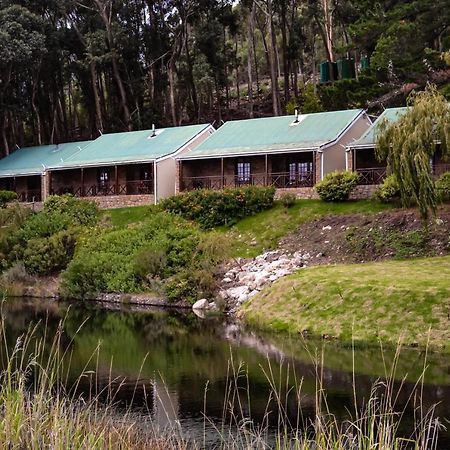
point(133, 146)
point(272, 134)
point(34, 160)
point(368, 138)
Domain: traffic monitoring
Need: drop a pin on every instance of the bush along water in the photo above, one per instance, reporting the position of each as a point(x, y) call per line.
point(166, 255)
point(214, 208)
point(45, 241)
point(7, 197)
point(337, 186)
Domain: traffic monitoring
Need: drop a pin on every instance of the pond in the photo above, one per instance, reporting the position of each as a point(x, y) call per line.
point(176, 367)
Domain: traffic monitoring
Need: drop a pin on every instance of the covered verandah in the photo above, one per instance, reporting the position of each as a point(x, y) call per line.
point(27, 187)
point(371, 171)
point(282, 171)
point(105, 180)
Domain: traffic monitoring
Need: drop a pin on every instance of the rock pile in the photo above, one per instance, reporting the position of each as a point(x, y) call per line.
point(247, 278)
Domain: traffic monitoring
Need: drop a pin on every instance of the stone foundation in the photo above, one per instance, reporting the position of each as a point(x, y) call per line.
point(304, 192)
point(122, 201)
point(363, 191)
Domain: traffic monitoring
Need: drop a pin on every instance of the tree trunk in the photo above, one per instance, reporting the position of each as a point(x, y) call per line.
point(327, 29)
point(115, 65)
point(272, 59)
point(98, 107)
point(37, 117)
point(285, 53)
point(191, 74)
point(4, 137)
point(250, 56)
point(173, 107)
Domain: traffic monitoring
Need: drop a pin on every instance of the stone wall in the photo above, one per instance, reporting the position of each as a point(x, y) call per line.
point(122, 201)
point(363, 191)
point(304, 192)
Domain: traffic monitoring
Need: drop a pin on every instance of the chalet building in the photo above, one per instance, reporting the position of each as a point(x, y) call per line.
point(289, 152)
point(118, 169)
point(25, 170)
point(361, 153)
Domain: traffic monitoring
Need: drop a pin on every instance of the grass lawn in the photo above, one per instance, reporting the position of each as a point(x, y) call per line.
point(122, 217)
point(252, 235)
point(385, 301)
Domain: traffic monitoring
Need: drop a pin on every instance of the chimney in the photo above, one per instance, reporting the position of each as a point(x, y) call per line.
point(153, 131)
point(296, 116)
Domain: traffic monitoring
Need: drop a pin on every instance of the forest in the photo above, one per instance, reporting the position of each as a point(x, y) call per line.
point(71, 70)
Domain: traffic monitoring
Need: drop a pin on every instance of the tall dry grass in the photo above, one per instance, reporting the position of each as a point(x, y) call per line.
point(37, 411)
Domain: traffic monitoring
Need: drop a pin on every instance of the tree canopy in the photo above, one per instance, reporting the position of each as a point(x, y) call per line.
point(71, 69)
point(410, 144)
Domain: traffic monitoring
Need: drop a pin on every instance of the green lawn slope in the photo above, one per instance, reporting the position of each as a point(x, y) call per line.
point(391, 300)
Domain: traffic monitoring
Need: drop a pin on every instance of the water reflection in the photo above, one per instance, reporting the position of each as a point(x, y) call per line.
point(161, 361)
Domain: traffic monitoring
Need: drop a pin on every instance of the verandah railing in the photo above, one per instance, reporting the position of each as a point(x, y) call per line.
point(376, 175)
point(371, 175)
point(33, 195)
point(135, 187)
point(281, 180)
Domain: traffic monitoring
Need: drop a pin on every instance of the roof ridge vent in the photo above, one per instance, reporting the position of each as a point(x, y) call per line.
point(298, 118)
point(155, 132)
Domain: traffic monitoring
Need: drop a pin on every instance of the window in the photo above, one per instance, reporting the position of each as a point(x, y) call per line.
point(103, 177)
point(243, 172)
point(145, 175)
point(300, 172)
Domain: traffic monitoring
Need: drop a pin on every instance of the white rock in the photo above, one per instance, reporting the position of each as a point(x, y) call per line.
point(237, 292)
point(227, 280)
point(223, 295)
point(253, 293)
point(243, 298)
point(246, 277)
point(282, 273)
point(213, 306)
point(201, 304)
point(326, 228)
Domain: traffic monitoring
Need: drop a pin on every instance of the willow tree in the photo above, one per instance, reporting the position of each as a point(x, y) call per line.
point(409, 145)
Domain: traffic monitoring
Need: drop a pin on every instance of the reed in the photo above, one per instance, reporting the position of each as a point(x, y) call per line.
point(37, 410)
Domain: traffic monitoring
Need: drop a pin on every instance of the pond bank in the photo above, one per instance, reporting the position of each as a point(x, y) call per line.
point(384, 301)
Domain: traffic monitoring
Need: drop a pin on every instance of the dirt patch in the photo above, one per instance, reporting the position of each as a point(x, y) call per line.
point(360, 237)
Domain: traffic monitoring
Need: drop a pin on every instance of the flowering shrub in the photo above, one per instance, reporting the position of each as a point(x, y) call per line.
point(215, 208)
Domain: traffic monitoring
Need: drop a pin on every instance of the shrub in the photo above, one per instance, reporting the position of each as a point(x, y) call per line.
point(45, 256)
point(288, 199)
point(166, 251)
point(337, 186)
point(7, 197)
point(59, 214)
point(389, 191)
point(81, 212)
point(214, 208)
point(443, 187)
point(15, 274)
point(150, 262)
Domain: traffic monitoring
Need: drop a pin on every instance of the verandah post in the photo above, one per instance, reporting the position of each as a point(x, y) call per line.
point(266, 173)
point(222, 173)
